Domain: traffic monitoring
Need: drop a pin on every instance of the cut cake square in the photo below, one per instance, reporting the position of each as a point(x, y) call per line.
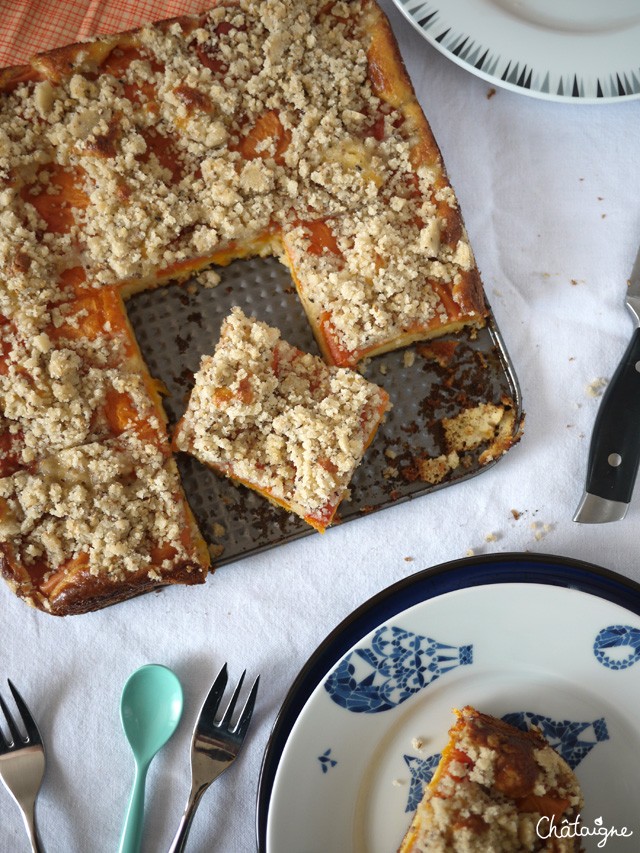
point(279, 420)
point(95, 524)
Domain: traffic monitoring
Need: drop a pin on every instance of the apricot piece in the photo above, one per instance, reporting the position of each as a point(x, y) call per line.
point(267, 138)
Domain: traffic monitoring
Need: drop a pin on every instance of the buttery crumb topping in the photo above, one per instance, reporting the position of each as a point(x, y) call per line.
point(113, 507)
point(278, 419)
point(68, 391)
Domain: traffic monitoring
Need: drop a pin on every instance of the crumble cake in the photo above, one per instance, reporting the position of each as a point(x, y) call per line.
point(274, 127)
point(141, 157)
point(279, 420)
point(492, 786)
point(95, 524)
point(77, 379)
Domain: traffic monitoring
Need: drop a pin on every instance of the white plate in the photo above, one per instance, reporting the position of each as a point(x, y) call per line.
point(586, 51)
point(352, 768)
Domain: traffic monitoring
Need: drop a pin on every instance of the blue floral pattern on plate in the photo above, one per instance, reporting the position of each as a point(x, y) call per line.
point(326, 762)
point(572, 740)
point(617, 646)
point(396, 665)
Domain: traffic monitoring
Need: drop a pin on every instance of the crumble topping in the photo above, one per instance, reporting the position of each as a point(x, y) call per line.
point(208, 132)
point(115, 504)
point(138, 158)
point(72, 383)
point(373, 276)
point(278, 419)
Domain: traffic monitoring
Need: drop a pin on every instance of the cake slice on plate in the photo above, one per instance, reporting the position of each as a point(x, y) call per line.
point(496, 789)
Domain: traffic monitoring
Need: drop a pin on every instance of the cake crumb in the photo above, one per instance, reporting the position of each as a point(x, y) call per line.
point(541, 529)
point(595, 388)
point(209, 279)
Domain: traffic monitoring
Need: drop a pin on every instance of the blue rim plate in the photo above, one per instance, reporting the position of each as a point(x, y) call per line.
point(356, 688)
point(577, 51)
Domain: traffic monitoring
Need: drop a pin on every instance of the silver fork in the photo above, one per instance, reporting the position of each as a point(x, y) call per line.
point(214, 746)
point(22, 763)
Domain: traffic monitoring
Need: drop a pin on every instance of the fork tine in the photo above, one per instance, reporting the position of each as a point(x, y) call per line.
point(4, 743)
point(226, 720)
point(245, 716)
point(33, 734)
point(13, 729)
point(212, 702)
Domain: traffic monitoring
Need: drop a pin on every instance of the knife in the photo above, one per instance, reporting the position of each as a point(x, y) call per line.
point(614, 453)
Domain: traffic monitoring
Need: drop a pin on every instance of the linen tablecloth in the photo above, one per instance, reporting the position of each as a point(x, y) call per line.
point(550, 193)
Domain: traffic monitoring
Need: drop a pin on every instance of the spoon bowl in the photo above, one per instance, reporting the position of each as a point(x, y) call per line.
point(150, 710)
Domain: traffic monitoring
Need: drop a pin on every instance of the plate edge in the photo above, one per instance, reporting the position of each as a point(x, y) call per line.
point(510, 567)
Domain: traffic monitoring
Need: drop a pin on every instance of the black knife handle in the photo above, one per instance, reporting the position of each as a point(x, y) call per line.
point(615, 444)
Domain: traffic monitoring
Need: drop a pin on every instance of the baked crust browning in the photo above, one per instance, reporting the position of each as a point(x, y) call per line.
point(492, 786)
point(280, 421)
point(97, 523)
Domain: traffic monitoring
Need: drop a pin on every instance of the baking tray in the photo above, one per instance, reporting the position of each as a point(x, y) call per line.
point(177, 324)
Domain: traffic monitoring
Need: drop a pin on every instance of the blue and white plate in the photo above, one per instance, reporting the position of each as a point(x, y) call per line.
point(537, 640)
point(584, 51)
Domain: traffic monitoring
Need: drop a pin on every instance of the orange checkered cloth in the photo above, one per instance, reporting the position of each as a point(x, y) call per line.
point(28, 27)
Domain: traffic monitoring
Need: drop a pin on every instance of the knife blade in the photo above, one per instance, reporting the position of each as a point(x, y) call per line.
point(614, 452)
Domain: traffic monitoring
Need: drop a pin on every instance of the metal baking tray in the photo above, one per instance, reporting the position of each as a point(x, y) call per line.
point(177, 324)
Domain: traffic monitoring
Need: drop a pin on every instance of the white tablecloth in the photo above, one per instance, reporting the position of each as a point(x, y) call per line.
point(551, 197)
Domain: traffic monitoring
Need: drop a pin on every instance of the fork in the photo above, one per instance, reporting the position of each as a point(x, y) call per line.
point(22, 763)
point(214, 746)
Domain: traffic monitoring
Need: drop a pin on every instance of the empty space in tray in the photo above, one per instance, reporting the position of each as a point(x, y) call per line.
point(177, 324)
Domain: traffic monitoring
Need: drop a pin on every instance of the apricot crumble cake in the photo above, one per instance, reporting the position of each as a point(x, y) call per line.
point(279, 420)
point(284, 127)
point(493, 785)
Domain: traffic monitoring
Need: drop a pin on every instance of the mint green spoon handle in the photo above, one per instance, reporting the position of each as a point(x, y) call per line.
point(132, 831)
point(150, 710)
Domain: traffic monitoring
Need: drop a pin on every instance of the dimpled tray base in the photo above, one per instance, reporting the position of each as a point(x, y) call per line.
point(177, 324)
